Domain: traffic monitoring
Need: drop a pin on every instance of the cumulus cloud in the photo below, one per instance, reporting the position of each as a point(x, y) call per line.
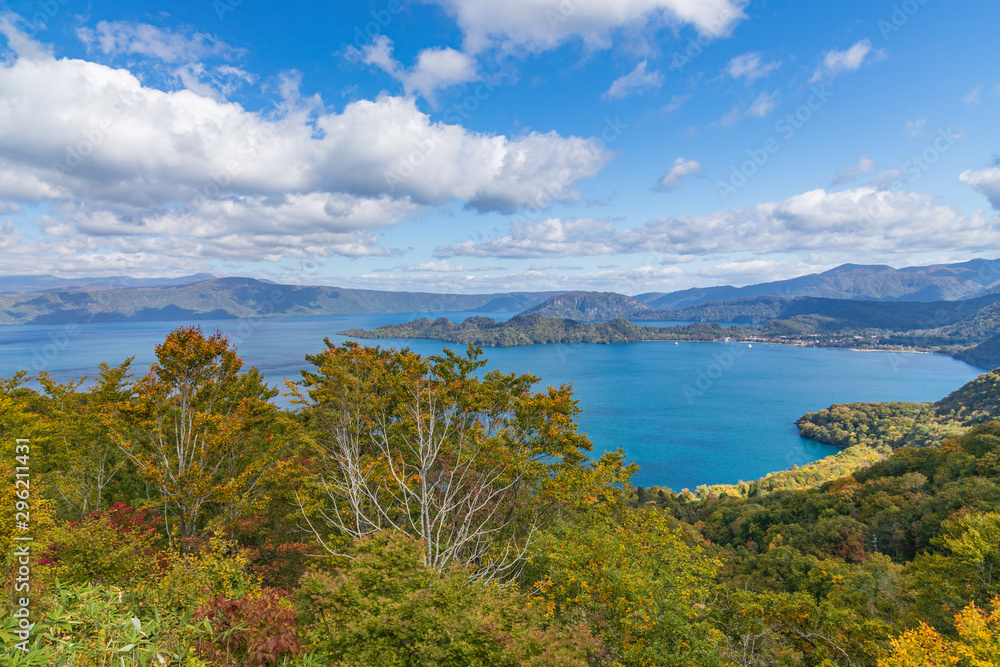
point(677, 172)
point(750, 67)
point(435, 69)
point(986, 181)
point(547, 238)
point(538, 25)
point(196, 177)
point(890, 223)
point(836, 62)
point(635, 82)
point(865, 165)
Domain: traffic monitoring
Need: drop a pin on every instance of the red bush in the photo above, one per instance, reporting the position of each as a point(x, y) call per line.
point(249, 632)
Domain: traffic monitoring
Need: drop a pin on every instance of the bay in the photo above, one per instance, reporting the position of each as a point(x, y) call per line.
point(689, 414)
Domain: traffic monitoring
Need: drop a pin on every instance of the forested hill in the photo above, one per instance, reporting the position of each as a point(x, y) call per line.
point(535, 329)
point(240, 297)
point(589, 306)
point(899, 424)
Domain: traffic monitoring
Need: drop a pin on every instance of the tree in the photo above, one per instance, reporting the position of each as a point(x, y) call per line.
point(87, 460)
point(425, 447)
point(642, 588)
point(198, 429)
point(977, 644)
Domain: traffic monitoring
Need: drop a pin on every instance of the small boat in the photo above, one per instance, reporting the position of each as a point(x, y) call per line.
point(676, 343)
point(749, 345)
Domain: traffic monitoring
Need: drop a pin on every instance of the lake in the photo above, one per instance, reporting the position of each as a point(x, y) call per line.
point(689, 414)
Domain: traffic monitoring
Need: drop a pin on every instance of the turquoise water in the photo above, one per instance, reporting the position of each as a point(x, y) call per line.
point(689, 414)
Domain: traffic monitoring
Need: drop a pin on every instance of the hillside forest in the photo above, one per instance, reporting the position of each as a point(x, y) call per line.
point(416, 511)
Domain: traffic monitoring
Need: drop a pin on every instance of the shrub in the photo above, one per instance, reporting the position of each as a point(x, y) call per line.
point(111, 547)
point(257, 631)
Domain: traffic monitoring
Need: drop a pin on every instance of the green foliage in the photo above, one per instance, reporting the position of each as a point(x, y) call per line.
point(95, 626)
point(589, 306)
point(536, 329)
point(426, 447)
point(109, 548)
point(636, 581)
point(199, 428)
point(870, 424)
point(906, 424)
point(192, 580)
point(89, 471)
point(385, 607)
point(841, 464)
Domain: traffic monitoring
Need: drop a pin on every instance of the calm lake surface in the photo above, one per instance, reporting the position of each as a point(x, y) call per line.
point(689, 414)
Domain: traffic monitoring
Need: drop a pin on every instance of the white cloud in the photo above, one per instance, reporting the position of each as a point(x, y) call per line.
point(146, 170)
point(116, 38)
point(643, 278)
point(915, 128)
point(677, 172)
point(731, 117)
point(986, 181)
point(434, 267)
point(635, 82)
point(547, 238)
point(439, 68)
point(435, 69)
point(752, 271)
point(863, 166)
point(837, 62)
point(537, 25)
point(882, 223)
point(676, 102)
point(763, 105)
point(750, 67)
point(974, 96)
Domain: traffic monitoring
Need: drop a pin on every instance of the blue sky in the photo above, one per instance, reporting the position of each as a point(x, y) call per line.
point(471, 146)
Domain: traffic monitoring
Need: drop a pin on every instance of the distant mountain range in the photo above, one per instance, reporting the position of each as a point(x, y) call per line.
point(221, 298)
point(46, 283)
point(48, 299)
point(941, 282)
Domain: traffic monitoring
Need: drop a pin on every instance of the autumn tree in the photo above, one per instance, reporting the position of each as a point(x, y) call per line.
point(86, 460)
point(977, 643)
point(198, 428)
point(426, 447)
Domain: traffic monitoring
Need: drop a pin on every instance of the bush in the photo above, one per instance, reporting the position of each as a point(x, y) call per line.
point(257, 631)
point(387, 608)
point(112, 547)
